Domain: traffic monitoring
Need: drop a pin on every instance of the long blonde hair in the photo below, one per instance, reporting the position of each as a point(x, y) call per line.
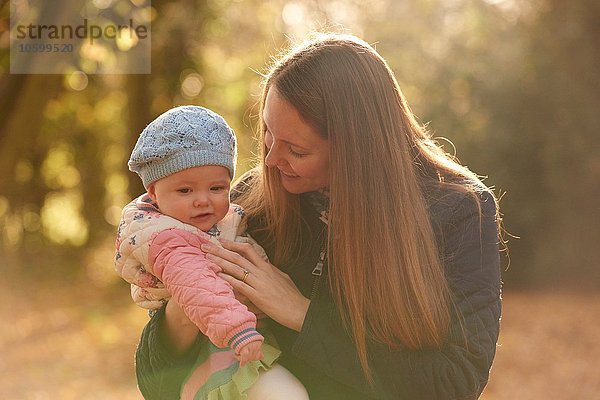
point(385, 271)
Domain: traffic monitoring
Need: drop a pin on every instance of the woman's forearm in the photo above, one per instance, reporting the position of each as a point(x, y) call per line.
point(161, 368)
point(178, 327)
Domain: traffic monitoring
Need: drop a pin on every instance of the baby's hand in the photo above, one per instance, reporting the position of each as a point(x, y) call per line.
point(250, 352)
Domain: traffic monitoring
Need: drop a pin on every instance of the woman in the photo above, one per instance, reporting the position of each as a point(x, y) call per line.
point(385, 280)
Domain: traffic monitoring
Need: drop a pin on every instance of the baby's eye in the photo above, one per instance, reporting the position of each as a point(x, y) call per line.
point(184, 190)
point(218, 188)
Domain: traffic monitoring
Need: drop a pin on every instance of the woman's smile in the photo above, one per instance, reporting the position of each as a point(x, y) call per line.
point(287, 175)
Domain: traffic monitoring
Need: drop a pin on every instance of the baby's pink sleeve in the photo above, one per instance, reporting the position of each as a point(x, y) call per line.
point(205, 298)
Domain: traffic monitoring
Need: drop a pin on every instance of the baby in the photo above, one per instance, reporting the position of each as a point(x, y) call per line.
point(186, 160)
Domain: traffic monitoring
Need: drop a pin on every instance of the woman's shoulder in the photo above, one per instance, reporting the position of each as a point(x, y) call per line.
point(449, 201)
point(244, 182)
point(240, 191)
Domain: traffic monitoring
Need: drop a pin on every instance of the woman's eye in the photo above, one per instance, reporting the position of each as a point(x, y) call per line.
point(296, 154)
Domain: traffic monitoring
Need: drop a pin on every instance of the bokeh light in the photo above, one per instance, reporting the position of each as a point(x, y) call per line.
point(61, 218)
point(77, 80)
point(192, 85)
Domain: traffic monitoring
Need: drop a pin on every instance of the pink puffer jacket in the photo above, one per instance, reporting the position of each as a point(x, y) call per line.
point(161, 257)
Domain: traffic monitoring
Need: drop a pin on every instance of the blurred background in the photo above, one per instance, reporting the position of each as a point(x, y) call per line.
point(513, 84)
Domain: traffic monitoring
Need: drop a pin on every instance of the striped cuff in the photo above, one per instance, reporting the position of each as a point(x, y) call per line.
point(244, 336)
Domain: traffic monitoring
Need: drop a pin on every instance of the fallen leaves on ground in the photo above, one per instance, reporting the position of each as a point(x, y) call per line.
point(77, 341)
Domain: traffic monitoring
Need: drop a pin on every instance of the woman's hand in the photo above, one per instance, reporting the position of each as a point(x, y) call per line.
point(251, 306)
point(272, 291)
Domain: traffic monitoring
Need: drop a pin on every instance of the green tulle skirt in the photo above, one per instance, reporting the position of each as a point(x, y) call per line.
point(217, 374)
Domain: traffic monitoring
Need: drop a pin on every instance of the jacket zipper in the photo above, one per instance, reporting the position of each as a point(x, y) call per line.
point(318, 272)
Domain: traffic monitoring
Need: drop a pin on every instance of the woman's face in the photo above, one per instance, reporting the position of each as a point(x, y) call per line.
point(299, 153)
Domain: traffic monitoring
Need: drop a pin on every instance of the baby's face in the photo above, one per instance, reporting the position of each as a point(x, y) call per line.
point(198, 196)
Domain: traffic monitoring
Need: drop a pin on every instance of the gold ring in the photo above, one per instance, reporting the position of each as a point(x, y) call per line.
point(246, 273)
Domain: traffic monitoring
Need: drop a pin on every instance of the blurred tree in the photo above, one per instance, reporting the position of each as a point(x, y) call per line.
point(514, 85)
point(553, 125)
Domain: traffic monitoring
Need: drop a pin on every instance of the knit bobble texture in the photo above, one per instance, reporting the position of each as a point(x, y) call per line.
point(181, 138)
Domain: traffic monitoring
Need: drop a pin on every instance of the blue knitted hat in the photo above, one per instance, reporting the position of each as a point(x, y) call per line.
point(181, 138)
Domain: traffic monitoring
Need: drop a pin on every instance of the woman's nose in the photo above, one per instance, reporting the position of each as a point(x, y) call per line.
point(271, 159)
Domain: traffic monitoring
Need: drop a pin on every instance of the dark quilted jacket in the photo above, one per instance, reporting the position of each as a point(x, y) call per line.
point(322, 355)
